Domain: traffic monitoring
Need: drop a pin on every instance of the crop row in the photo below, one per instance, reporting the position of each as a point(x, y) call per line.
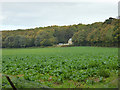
point(59, 68)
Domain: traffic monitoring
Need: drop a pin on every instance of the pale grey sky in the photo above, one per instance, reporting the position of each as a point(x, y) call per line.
point(21, 15)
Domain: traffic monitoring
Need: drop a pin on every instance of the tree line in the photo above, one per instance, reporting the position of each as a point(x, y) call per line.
point(97, 34)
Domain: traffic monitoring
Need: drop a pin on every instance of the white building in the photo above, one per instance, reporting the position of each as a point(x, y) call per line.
point(69, 43)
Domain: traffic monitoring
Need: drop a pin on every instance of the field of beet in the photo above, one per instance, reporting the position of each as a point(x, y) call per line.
point(61, 67)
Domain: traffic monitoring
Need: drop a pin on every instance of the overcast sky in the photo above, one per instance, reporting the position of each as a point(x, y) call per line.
point(36, 13)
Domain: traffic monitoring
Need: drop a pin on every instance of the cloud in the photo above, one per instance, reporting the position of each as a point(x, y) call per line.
point(59, 1)
point(26, 14)
point(12, 27)
point(2, 18)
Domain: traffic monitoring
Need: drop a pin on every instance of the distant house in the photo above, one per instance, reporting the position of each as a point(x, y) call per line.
point(60, 44)
point(69, 43)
